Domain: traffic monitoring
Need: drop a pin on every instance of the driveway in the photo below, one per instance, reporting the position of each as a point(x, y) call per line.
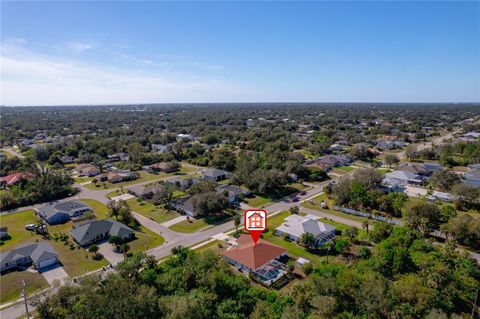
point(55, 273)
point(174, 221)
point(109, 254)
point(123, 197)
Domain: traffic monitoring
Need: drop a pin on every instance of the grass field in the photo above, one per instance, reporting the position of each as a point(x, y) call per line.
point(11, 283)
point(147, 209)
point(16, 228)
point(146, 240)
point(258, 201)
point(144, 177)
point(101, 211)
point(80, 180)
point(189, 226)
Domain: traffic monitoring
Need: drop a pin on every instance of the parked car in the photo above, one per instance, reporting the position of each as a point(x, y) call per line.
point(295, 199)
point(303, 193)
point(30, 227)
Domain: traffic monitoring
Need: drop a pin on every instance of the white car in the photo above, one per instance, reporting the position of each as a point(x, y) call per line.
point(30, 227)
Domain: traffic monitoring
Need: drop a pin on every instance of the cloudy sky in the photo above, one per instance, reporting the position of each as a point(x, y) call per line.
point(55, 53)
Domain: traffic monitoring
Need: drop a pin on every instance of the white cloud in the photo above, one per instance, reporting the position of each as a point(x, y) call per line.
point(32, 79)
point(75, 47)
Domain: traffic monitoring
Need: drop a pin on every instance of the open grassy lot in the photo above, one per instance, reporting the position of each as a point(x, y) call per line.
point(80, 180)
point(213, 246)
point(189, 226)
point(346, 168)
point(101, 211)
point(11, 283)
point(145, 240)
point(147, 209)
point(16, 228)
point(258, 201)
point(144, 177)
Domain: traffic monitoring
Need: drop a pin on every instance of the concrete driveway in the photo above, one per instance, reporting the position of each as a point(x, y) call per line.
point(124, 197)
point(55, 273)
point(109, 254)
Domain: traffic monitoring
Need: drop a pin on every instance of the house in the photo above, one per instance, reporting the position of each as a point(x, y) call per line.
point(233, 192)
point(294, 226)
point(117, 176)
point(167, 167)
point(41, 255)
point(118, 157)
point(4, 232)
point(260, 259)
point(445, 197)
point(472, 177)
point(214, 174)
point(159, 148)
point(96, 230)
point(404, 177)
point(425, 169)
point(13, 178)
point(183, 183)
point(55, 213)
point(185, 206)
point(67, 159)
point(389, 145)
point(328, 162)
point(144, 191)
point(87, 170)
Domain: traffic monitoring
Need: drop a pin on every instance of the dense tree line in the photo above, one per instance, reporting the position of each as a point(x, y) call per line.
point(403, 276)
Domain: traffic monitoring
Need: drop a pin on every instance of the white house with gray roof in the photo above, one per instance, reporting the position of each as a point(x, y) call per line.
point(96, 230)
point(56, 213)
point(294, 226)
point(214, 174)
point(41, 255)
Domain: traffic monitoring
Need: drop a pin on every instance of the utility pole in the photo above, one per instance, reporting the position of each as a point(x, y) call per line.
point(474, 304)
point(24, 295)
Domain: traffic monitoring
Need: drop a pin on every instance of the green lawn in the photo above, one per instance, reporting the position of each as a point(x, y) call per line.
point(258, 201)
point(7, 154)
point(144, 177)
point(189, 226)
point(145, 240)
point(213, 246)
point(80, 180)
point(101, 211)
point(16, 227)
point(147, 209)
point(346, 168)
point(11, 283)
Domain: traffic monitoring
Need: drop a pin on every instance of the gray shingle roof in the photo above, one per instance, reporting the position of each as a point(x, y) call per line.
point(69, 208)
point(89, 231)
point(36, 251)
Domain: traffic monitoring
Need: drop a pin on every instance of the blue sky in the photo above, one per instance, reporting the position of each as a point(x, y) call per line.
point(142, 52)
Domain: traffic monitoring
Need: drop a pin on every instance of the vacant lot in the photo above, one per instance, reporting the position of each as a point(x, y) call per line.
point(147, 209)
point(315, 203)
point(16, 228)
point(145, 240)
point(11, 284)
point(189, 226)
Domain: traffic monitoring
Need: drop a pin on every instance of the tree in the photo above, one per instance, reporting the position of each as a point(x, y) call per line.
point(124, 248)
point(294, 210)
point(365, 225)
point(411, 152)
point(380, 232)
point(341, 190)
point(466, 196)
point(365, 253)
point(116, 241)
point(237, 222)
point(465, 229)
point(307, 240)
point(368, 177)
point(351, 232)
point(444, 180)
point(391, 159)
point(423, 216)
point(210, 202)
point(360, 152)
point(115, 208)
point(342, 245)
point(93, 249)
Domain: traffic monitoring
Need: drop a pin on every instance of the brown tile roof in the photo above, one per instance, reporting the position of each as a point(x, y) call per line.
point(254, 255)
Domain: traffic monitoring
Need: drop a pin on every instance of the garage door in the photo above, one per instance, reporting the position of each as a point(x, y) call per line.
point(47, 262)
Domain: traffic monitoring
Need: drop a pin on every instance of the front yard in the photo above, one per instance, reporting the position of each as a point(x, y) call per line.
point(191, 226)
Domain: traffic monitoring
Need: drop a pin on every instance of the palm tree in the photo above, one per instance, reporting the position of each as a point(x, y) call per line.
point(365, 225)
point(114, 208)
point(237, 221)
point(124, 248)
point(93, 249)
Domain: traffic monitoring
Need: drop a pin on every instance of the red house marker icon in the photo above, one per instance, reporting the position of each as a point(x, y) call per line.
point(255, 222)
